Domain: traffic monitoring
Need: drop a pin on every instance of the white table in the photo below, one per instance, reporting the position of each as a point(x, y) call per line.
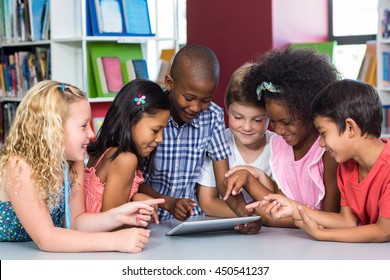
point(269, 244)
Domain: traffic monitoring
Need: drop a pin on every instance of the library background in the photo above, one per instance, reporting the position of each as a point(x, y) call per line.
point(99, 45)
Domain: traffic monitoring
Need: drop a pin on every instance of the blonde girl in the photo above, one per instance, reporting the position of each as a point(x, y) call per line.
point(41, 179)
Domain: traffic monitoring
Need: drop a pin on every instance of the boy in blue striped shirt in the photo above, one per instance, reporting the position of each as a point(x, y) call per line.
point(195, 130)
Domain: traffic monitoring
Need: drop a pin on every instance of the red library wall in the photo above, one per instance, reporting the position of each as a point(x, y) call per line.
point(241, 30)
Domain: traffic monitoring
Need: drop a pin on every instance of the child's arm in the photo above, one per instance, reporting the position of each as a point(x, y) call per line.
point(331, 200)
point(236, 203)
point(126, 214)
point(119, 180)
point(212, 204)
point(378, 232)
point(35, 218)
point(258, 173)
point(279, 206)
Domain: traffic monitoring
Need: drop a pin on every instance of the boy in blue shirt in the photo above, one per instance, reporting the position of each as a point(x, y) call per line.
point(195, 130)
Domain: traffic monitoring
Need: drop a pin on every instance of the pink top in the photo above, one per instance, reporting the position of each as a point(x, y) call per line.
point(300, 180)
point(94, 187)
point(369, 198)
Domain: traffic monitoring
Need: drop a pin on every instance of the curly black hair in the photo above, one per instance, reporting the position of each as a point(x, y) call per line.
point(302, 73)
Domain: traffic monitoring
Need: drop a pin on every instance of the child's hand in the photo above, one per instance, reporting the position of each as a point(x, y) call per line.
point(136, 213)
point(143, 197)
point(235, 182)
point(131, 240)
point(308, 224)
point(279, 206)
point(252, 208)
point(182, 209)
point(249, 228)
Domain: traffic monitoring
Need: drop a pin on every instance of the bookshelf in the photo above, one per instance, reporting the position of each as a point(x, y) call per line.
point(72, 45)
point(382, 50)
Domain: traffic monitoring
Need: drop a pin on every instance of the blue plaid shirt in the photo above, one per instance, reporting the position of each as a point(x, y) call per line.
point(180, 156)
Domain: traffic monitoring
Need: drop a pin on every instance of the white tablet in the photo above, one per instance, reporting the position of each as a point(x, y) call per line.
point(198, 224)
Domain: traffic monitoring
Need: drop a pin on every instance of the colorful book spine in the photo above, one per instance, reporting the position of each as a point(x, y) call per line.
point(113, 73)
point(385, 79)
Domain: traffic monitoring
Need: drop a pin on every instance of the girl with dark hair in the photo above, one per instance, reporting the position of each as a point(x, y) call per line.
point(131, 131)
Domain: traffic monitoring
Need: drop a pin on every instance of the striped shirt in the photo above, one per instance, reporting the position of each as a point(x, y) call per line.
point(180, 156)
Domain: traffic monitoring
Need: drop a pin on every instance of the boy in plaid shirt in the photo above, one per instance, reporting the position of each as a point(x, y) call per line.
point(195, 130)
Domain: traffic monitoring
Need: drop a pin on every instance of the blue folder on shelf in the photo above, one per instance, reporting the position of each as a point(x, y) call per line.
point(134, 17)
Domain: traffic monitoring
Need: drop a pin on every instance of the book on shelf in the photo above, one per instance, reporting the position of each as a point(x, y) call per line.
point(136, 17)
point(15, 23)
point(385, 23)
point(385, 68)
point(13, 76)
point(167, 54)
point(27, 20)
point(130, 70)
point(367, 71)
point(9, 110)
point(111, 16)
point(123, 52)
point(23, 69)
point(165, 64)
point(37, 14)
point(106, 17)
point(140, 68)
point(163, 72)
point(45, 21)
point(19, 77)
point(113, 73)
point(137, 68)
point(2, 83)
point(386, 119)
point(42, 57)
point(102, 76)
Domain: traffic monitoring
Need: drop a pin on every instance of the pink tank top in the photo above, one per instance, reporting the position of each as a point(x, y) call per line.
point(300, 180)
point(94, 187)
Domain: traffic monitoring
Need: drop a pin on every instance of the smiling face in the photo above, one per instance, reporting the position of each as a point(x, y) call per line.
point(295, 132)
point(189, 98)
point(148, 131)
point(332, 140)
point(247, 123)
point(77, 130)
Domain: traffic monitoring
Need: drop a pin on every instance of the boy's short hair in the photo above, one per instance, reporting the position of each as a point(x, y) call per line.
point(198, 61)
point(236, 92)
point(350, 99)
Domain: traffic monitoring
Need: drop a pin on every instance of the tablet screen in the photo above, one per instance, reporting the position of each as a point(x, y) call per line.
point(198, 224)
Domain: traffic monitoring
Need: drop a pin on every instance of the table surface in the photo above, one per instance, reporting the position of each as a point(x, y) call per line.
point(268, 244)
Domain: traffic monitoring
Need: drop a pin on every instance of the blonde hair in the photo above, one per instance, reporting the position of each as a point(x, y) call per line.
point(37, 136)
point(235, 91)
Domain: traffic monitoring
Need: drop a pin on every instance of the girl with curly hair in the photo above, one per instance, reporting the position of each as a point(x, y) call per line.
point(41, 179)
point(287, 80)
